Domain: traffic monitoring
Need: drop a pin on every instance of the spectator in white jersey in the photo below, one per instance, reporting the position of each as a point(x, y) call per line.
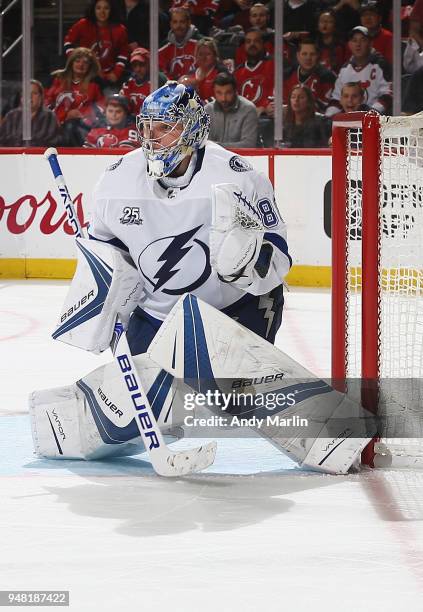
point(369, 69)
point(169, 184)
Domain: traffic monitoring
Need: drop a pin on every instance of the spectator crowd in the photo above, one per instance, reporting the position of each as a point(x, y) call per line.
point(337, 57)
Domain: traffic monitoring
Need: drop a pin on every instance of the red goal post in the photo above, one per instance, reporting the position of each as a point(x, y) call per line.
point(377, 269)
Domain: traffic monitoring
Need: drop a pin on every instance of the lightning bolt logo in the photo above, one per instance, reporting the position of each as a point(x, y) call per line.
point(266, 303)
point(175, 251)
point(172, 256)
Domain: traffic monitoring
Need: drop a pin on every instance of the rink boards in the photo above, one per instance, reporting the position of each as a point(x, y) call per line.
point(34, 235)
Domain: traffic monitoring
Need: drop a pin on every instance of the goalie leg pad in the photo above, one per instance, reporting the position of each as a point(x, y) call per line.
point(63, 426)
point(94, 418)
point(336, 428)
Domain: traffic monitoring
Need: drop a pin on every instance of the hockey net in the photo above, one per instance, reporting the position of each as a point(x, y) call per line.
point(377, 263)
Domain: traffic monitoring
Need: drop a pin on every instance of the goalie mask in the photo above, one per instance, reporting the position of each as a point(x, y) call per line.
point(171, 125)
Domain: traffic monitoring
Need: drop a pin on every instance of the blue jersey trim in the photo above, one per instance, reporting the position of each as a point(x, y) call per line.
point(113, 242)
point(279, 243)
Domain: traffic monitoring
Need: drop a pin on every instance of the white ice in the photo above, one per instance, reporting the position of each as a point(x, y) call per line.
point(252, 534)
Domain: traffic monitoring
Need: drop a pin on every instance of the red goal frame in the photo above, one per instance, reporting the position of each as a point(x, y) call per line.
point(371, 153)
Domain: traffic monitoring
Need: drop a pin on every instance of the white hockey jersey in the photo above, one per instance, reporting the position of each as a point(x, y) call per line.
point(377, 90)
point(166, 230)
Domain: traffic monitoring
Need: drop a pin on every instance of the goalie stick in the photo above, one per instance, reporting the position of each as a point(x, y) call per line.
point(164, 461)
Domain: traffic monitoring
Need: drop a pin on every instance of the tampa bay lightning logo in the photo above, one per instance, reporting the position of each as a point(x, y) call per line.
point(239, 164)
point(176, 264)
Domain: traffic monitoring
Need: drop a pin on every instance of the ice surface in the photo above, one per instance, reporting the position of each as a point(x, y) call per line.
point(252, 533)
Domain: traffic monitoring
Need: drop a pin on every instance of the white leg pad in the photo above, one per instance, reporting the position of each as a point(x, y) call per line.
point(63, 427)
point(340, 433)
point(94, 418)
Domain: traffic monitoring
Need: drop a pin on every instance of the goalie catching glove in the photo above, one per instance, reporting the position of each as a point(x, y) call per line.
point(238, 253)
point(106, 285)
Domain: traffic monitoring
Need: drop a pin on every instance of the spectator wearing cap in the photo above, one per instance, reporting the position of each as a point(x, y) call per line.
point(177, 56)
point(369, 69)
point(233, 118)
point(138, 86)
point(382, 39)
point(118, 130)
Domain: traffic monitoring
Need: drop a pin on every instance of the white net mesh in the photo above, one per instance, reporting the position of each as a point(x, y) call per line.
point(400, 277)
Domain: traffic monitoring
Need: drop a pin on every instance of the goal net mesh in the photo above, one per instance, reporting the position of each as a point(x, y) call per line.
point(400, 245)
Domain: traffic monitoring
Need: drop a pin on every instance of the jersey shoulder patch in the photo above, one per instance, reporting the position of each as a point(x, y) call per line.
point(239, 164)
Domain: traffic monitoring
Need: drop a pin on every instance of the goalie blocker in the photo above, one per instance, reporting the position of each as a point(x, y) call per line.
point(106, 285)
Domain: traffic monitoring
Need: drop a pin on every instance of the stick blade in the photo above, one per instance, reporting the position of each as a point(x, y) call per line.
point(189, 461)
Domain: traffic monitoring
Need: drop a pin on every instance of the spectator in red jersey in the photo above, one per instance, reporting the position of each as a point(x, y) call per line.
point(44, 127)
point(382, 39)
point(311, 73)
point(118, 129)
point(177, 57)
point(207, 67)
point(202, 12)
point(333, 52)
point(303, 126)
point(75, 96)
point(138, 86)
point(259, 18)
point(102, 32)
point(256, 77)
point(233, 119)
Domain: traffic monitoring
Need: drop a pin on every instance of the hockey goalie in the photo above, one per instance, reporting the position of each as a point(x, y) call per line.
point(187, 251)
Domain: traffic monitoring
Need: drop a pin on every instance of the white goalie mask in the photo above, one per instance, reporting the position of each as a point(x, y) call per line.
point(172, 124)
